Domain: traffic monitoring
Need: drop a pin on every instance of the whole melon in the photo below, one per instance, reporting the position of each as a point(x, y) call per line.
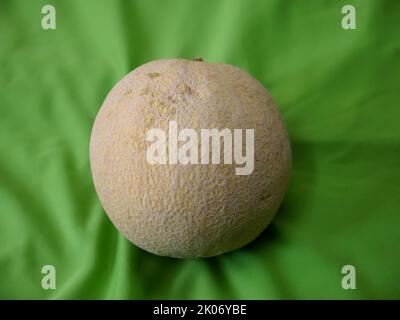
point(188, 210)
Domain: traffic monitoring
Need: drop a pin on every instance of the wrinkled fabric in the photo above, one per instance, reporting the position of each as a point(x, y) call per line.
point(337, 91)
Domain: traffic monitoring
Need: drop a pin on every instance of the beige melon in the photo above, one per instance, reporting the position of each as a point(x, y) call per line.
point(188, 210)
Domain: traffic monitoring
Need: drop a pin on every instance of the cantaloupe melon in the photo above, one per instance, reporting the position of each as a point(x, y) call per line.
point(188, 210)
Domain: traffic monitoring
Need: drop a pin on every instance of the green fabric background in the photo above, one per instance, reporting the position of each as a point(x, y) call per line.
point(338, 92)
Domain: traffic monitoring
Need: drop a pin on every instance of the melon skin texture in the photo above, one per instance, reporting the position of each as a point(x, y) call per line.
point(194, 210)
